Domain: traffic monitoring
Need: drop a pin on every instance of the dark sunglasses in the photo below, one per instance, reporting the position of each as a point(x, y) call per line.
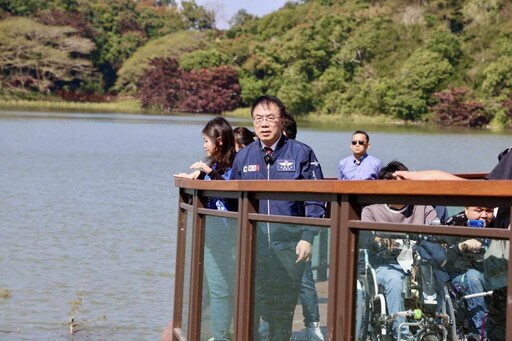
point(361, 143)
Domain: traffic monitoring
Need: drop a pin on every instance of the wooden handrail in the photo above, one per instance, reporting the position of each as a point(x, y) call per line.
point(482, 188)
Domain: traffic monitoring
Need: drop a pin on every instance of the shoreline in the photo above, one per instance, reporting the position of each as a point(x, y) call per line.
point(130, 106)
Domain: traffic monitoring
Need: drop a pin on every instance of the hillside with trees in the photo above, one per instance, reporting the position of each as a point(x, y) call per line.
point(445, 62)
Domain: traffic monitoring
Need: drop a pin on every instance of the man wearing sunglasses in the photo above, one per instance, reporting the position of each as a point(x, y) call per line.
point(359, 166)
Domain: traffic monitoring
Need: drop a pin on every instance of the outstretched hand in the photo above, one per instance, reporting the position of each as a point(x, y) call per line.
point(194, 175)
point(201, 166)
point(198, 167)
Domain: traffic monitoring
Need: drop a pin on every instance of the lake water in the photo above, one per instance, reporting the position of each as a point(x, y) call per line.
point(88, 211)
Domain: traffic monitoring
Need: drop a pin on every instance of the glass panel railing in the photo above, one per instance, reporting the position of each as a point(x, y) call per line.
point(219, 278)
point(430, 287)
point(186, 275)
point(288, 292)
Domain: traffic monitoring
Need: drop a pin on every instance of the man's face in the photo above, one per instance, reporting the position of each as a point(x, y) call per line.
point(267, 123)
point(480, 213)
point(359, 144)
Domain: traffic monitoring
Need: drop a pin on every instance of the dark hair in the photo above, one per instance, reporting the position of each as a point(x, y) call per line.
point(386, 173)
point(266, 100)
point(219, 130)
point(364, 133)
point(243, 136)
point(289, 126)
point(503, 153)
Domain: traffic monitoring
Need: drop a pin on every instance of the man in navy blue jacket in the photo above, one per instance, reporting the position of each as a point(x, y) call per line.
point(281, 249)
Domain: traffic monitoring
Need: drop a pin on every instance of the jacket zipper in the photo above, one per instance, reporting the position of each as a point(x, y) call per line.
point(268, 208)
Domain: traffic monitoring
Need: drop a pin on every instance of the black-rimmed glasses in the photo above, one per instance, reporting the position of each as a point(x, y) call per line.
point(361, 143)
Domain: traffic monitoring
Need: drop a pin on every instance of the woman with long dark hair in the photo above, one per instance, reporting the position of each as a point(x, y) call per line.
point(220, 233)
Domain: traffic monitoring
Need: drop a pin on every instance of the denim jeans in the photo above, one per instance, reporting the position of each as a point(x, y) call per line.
point(278, 281)
point(219, 269)
point(472, 281)
point(391, 277)
point(309, 297)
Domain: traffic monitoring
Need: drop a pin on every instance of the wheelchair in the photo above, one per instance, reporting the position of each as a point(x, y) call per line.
point(426, 319)
point(464, 328)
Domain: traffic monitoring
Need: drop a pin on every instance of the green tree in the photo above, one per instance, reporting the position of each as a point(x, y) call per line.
point(119, 48)
point(171, 45)
point(264, 64)
point(157, 22)
point(165, 3)
point(241, 17)
point(330, 88)
point(497, 77)
point(202, 59)
point(42, 58)
point(197, 17)
point(296, 92)
point(252, 88)
point(447, 45)
point(424, 73)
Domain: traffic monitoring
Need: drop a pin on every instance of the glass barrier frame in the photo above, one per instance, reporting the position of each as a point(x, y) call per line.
point(344, 201)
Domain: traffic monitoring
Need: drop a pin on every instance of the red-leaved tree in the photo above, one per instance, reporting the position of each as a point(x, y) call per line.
point(453, 109)
point(165, 86)
point(210, 90)
point(161, 84)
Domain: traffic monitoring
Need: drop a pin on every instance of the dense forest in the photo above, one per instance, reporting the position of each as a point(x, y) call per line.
point(446, 62)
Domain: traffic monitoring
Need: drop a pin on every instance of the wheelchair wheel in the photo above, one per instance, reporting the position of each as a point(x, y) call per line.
point(362, 309)
point(379, 330)
point(371, 279)
point(450, 311)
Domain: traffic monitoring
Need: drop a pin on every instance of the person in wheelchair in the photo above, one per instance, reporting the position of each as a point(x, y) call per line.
point(465, 262)
point(383, 251)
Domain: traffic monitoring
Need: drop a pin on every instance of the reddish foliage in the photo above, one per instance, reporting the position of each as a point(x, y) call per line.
point(160, 84)
point(507, 105)
point(130, 25)
point(210, 90)
point(168, 88)
point(56, 17)
point(71, 96)
point(453, 109)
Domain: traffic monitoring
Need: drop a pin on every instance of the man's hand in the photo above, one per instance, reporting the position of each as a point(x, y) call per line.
point(303, 251)
point(470, 245)
point(388, 243)
point(425, 175)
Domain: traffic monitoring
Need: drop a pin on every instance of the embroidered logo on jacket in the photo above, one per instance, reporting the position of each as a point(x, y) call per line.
point(285, 165)
point(251, 168)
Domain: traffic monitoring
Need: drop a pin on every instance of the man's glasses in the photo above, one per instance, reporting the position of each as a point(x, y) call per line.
point(269, 119)
point(361, 143)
